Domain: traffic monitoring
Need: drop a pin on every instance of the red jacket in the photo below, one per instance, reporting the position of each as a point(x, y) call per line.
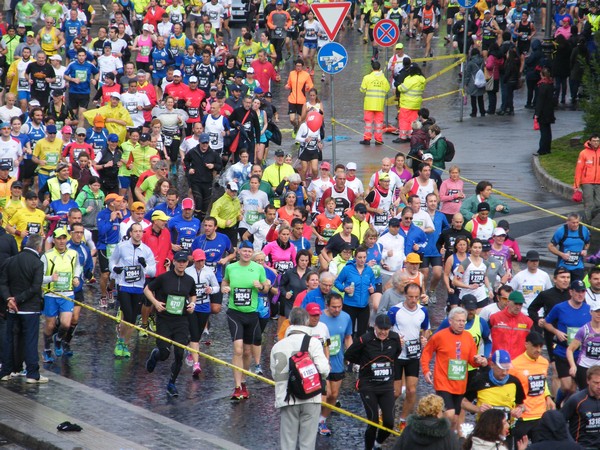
point(587, 170)
point(509, 332)
point(154, 17)
point(161, 247)
point(264, 74)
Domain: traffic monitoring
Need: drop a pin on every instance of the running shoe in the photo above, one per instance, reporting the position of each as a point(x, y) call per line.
point(125, 350)
point(365, 142)
point(237, 394)
point(401, 426)
point(323, 430)
point(21, 374)
point(172, 390)
point(47, 356)
point(293, 134)
point(103, 302)
point(152, 323)
point(110, 297)
point(418, 37)
point(119, 347)
point(258, 370)
point(67, 349)
point(359, 30)
point(196, 370)
point(206, 337)
point(58, 351)
point(6, 377)
point(355, 368)
point(245, 393)
point(143, 332)
point(40, 380)
point(151, 361)
point(323, 78)
point(189, 360)
point(378, 142)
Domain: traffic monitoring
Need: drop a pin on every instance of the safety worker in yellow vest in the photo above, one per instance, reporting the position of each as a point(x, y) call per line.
point(411, 97)
point(375, 86)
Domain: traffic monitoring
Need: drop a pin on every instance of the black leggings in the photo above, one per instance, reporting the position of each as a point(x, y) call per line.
point(178, 330)
point(131, 305)
point(360, 319)
point(198, 321)
point(373, 402)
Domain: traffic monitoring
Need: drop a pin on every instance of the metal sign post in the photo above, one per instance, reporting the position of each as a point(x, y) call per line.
point(385, 34)
point(467, 4)
point(332, 59)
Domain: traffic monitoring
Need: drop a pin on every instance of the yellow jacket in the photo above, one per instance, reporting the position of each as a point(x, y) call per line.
point(108, 112)
point(226, 208)
point(411, 92)
point(375, 86)
point(13, 75)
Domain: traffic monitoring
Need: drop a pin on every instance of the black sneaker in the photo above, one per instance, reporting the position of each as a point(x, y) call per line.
point(151, 361)
point(172, 390)
point(365, 142)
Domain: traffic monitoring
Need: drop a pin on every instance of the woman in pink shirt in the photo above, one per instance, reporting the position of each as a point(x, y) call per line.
point(281, 253)
point(451, 193)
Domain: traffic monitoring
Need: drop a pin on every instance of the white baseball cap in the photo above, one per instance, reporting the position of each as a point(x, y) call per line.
point(351, 166)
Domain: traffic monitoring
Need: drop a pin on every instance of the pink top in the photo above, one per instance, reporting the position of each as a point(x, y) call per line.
point(280, 259)
point(449, 191)
point(145, 46)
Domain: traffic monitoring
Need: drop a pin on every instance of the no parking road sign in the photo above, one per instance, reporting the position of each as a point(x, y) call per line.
point(386, 33)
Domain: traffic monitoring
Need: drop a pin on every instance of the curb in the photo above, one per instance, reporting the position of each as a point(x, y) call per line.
point(550, 183)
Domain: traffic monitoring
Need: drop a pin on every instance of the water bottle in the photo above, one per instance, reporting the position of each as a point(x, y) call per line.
point(352, 286)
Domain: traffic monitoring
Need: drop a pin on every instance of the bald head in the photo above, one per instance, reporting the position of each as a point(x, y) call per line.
point(458, 221)
point(386, 164)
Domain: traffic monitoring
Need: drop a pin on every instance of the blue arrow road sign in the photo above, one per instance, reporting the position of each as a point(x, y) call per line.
point(467, 3)
point(332, 58)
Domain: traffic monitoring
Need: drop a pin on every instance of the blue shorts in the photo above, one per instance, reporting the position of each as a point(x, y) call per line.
point(53, 306)
point(310, 44)
point(24, 95)
point(42, 180)
point(124, 182)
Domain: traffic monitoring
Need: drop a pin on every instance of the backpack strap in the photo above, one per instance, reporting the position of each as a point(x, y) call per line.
point(305, 343)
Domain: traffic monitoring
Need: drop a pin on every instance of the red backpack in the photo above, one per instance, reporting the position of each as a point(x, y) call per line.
point(304, 380)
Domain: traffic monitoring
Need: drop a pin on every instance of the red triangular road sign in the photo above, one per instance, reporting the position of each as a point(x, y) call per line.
point(331, 16)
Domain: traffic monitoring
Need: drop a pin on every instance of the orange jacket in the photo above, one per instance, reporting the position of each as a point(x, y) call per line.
point(272, 26)
point(587, 170)
point(298, 83)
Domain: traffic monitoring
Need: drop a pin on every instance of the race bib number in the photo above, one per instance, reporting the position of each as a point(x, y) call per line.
point(175, 51)
point(175, 304)
point(573, 259)
point(252, 217)
point(592, 350)
point(51, 159)
point(282, 266)
point(212, 266)
point(571, 332)
point(279, 33)
point(110, 248)
point(193, 112)
point(34, 228)
point(159, 64)
point(476, 277)
point(8, 161)
point(40, 85)
point(457, 369)
point(186, 243)
point(201, 295)
point(335, 345)
point(593, 422)
point(64, 281)
point(139, 17)
point(81, 75)
point(380, 220)
point(214, 138)
point(23, 83)
point(413, 349)
point(537, 385)
point(382, 371)
point(132, 273)
point(242, 296)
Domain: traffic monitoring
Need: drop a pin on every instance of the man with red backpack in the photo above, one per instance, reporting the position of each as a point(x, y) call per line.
point(299, 406)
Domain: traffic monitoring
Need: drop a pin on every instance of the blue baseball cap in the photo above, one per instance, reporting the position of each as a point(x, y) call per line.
point(204, 137)
point(502, 359)
point(112, 137)
point(51, 129)
point(246, 244)
point(4, 125)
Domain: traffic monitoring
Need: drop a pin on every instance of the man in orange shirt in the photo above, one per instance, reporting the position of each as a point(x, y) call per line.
point(298, 83)
point(531, 368)
point(454, 348)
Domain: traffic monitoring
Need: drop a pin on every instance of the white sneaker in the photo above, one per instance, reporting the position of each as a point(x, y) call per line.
point(189, 360)
point(41, 380)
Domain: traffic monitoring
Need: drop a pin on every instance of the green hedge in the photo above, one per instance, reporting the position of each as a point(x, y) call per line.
point(560, 163)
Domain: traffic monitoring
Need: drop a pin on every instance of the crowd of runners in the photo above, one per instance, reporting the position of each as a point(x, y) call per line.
point(136, 156)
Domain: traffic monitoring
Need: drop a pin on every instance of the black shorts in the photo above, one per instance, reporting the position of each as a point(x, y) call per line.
point(293, 35)
point(451, 401)
point(294, 108)
point(197, 322)
point(432, 261)
point(483, 303)
point(103, 261)
point(428, 30)
point(27, 170)
point(485, 43)
point(244, 326)
point(415, 13)
point(378, 288)
point(408, 367)
point(216, 298)
point(309, 155)
point(451, 11)
point(562, 366)
point(582, 12)
point(131, 305)
point(78, 101)
point(336, 376)
point(79, 296)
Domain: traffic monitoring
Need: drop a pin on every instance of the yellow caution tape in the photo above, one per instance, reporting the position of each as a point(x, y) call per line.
point(216, 360)
point(439, 58)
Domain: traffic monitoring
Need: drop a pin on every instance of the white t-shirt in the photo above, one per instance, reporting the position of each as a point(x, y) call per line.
point(108, 64)
point(318, 186)
point(530, 285)
point(488, 310)
point(422, 219)
point(251, 203)
point(10, 152)
point(214, 13)
point(259, 230)
point(60, 78)
point(396, 244)
point(395, 181)
point(8, 113)
point(23, 82)
point(131, 103)
point(356, 185)
point(188, 143)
